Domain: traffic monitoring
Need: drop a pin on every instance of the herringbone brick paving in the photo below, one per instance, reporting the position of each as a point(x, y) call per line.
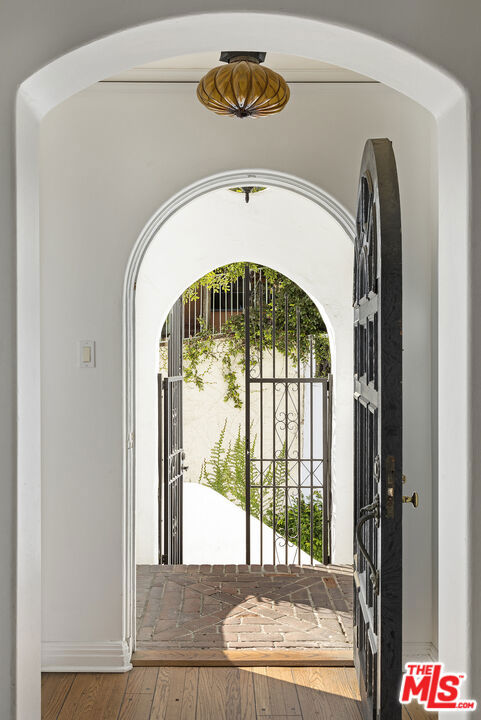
point(242, 606)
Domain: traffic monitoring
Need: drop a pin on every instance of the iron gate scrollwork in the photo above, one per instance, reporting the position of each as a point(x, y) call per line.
point(377, 305)
point(288, 432)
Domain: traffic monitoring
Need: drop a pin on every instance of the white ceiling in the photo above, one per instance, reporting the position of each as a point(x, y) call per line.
point(190, 68)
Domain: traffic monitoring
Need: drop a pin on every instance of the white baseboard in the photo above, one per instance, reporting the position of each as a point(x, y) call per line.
point(419, 651)
point(58, 656)
point(114, 656)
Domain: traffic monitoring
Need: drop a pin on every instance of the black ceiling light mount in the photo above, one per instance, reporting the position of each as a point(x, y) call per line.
point(250, 56)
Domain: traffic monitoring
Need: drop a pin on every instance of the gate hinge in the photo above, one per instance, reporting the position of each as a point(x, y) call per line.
point(130, 441)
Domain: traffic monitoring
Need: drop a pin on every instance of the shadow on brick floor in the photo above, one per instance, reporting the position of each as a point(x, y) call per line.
point(244, 606)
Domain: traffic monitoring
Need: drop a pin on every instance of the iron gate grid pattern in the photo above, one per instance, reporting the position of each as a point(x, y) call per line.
point(173, 440)
point(273, 479)
point(277, 482)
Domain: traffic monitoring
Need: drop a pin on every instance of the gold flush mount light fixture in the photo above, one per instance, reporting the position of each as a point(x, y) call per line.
point(243, 87)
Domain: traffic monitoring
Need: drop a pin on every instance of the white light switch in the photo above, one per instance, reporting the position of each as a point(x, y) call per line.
point(86, 353)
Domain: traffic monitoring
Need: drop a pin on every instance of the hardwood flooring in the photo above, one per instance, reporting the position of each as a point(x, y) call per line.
point(207, 693)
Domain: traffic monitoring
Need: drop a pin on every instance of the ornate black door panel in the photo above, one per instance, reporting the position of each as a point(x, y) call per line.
point(173, 438)
point(378, 434)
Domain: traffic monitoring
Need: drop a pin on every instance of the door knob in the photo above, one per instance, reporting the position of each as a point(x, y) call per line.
point(414, 499)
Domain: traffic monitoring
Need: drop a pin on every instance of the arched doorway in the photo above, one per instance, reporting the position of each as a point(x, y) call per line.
point(192, 240)
point(265, 235)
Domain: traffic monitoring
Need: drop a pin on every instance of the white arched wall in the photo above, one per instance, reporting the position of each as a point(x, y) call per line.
point(332, 42)
point(279, 228)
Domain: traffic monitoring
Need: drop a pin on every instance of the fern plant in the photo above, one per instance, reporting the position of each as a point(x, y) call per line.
point(224, 469)
point(214, 471)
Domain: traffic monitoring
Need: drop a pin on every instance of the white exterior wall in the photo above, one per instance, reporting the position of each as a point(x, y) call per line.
point(216, 531)
point(109, 158)
point(206, 411)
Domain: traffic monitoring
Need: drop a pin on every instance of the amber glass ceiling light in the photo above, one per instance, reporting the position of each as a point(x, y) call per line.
point(243, 88)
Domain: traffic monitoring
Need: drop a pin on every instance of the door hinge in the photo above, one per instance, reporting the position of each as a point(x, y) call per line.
point(130, 441)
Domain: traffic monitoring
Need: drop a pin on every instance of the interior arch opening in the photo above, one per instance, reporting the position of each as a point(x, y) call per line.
point(298, 509)
point(257, 229)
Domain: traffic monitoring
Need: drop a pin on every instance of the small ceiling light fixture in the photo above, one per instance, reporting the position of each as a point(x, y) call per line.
point(247, 190)
point(243, 88)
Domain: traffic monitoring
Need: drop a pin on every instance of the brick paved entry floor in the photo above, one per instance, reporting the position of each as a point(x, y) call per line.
point(241, 606)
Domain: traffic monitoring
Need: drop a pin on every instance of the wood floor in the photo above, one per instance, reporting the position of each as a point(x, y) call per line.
point(243, 658)
point(207, 693)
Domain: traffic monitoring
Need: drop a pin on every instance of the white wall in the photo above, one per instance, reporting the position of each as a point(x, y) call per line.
point(216, 530)
point(277, 228)
point(110, 156)
point(209, 404)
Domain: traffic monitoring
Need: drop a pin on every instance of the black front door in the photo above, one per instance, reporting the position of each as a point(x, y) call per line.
point(378, 434)
point(173, 438)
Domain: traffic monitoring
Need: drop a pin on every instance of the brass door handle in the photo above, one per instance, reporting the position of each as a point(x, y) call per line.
point(414, 499)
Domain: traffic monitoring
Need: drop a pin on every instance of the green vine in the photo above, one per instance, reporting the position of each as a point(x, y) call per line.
point(207, 347)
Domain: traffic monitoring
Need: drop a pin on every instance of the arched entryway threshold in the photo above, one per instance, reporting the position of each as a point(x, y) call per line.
point(360, 51)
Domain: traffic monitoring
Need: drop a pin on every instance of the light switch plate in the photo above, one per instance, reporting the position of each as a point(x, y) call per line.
point(86, 353)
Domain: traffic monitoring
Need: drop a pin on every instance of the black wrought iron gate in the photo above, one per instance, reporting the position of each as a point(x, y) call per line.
point(378, 435)
point(288, 433)
point(174, 455)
